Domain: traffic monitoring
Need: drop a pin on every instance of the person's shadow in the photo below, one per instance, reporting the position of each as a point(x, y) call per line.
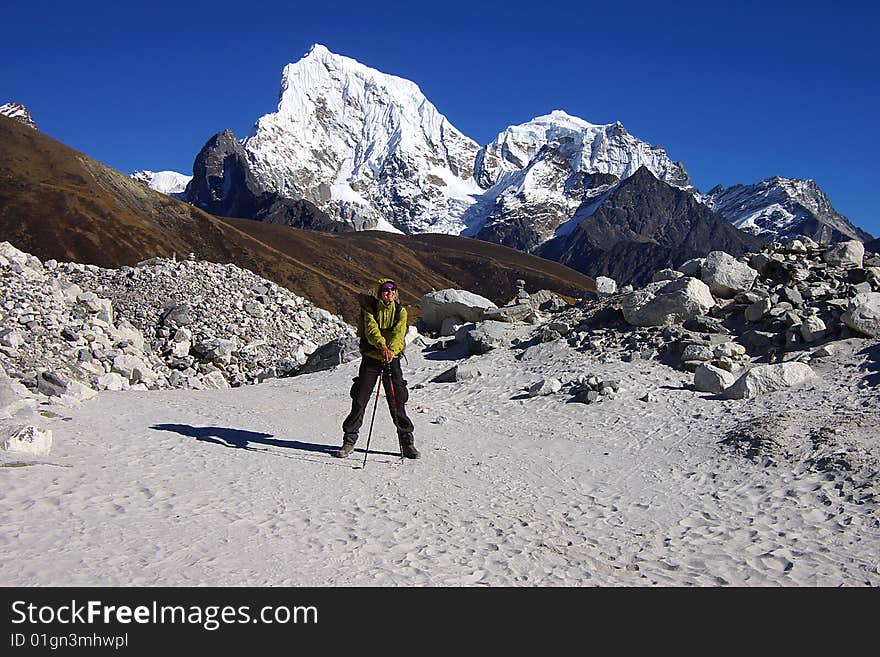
point(241, 439)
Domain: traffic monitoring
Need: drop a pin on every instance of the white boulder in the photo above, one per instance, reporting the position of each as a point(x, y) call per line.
point(30, 440)
point(769, 378)
point(605, 285)
point(725, 275)
point(659, 304)
point(545, 387)
point(845, 254)
point(863, 314)
point(437, 306)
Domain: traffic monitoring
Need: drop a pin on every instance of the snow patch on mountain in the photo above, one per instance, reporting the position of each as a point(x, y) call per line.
point(18, 112)
point(171, 183)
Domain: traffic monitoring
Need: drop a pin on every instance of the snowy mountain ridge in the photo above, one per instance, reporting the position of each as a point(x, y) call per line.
point(780, 208)
point(370, 151)
point(586, 147)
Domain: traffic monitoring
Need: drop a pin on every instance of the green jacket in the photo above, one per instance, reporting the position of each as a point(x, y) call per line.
point(381, 328)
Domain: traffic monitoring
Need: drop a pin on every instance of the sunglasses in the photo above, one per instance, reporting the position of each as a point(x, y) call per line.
point(388, 288)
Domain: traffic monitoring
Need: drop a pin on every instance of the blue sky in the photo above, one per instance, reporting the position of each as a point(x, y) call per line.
point(736, 91)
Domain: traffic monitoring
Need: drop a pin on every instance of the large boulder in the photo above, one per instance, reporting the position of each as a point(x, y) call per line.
point(769, 378)
point(845, 254)
point(520, 312)
point(437, 306)
point(335, 352)
point(667, 302)
point(484, 336)
point(708, 378)
point(725, 275)
point(863, 314)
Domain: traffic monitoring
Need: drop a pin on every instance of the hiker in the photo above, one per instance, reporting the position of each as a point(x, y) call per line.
point(383, 332)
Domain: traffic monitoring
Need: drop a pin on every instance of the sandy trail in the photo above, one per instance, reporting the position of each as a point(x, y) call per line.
point(238, 487)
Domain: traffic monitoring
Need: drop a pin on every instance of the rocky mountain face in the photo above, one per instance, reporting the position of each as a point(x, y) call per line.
point(224, 185)
point(641, 226)
point(365, 147)
point(541, 173)
point(782, 208)
point(371, 151)
point(19, 113)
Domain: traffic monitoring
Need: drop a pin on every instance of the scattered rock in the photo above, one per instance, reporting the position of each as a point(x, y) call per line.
point(769, 378)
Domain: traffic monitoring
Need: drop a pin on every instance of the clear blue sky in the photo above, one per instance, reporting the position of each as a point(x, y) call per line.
point(738, 91)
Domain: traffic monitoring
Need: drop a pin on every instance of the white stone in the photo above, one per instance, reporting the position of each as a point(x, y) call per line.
point(726, 276)
point(11, 338)
point(437, 306)
point(812, 328)
point(215, 380)
point(659, 304)
point(605, 285)
point(769, 378)
point(708, 378)
point(845, 254)
point(125, 330)
point(111, 381)
point(863, 314)
point(30, 440)
point(545, 387)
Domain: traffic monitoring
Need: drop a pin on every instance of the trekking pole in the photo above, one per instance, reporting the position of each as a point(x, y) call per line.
point(375, 404)
point(393, 405)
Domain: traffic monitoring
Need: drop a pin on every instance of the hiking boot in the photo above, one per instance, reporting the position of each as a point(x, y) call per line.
point(407, 449)
point(345, 450)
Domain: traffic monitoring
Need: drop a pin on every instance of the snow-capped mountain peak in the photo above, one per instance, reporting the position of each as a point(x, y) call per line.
point(362, 145)
point(782, 208)
point(18, 112)
point(587, 147)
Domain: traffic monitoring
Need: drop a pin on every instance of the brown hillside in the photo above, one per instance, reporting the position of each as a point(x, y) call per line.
point(58, 203)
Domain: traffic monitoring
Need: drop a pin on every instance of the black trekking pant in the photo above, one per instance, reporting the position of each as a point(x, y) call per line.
point(364, 387)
